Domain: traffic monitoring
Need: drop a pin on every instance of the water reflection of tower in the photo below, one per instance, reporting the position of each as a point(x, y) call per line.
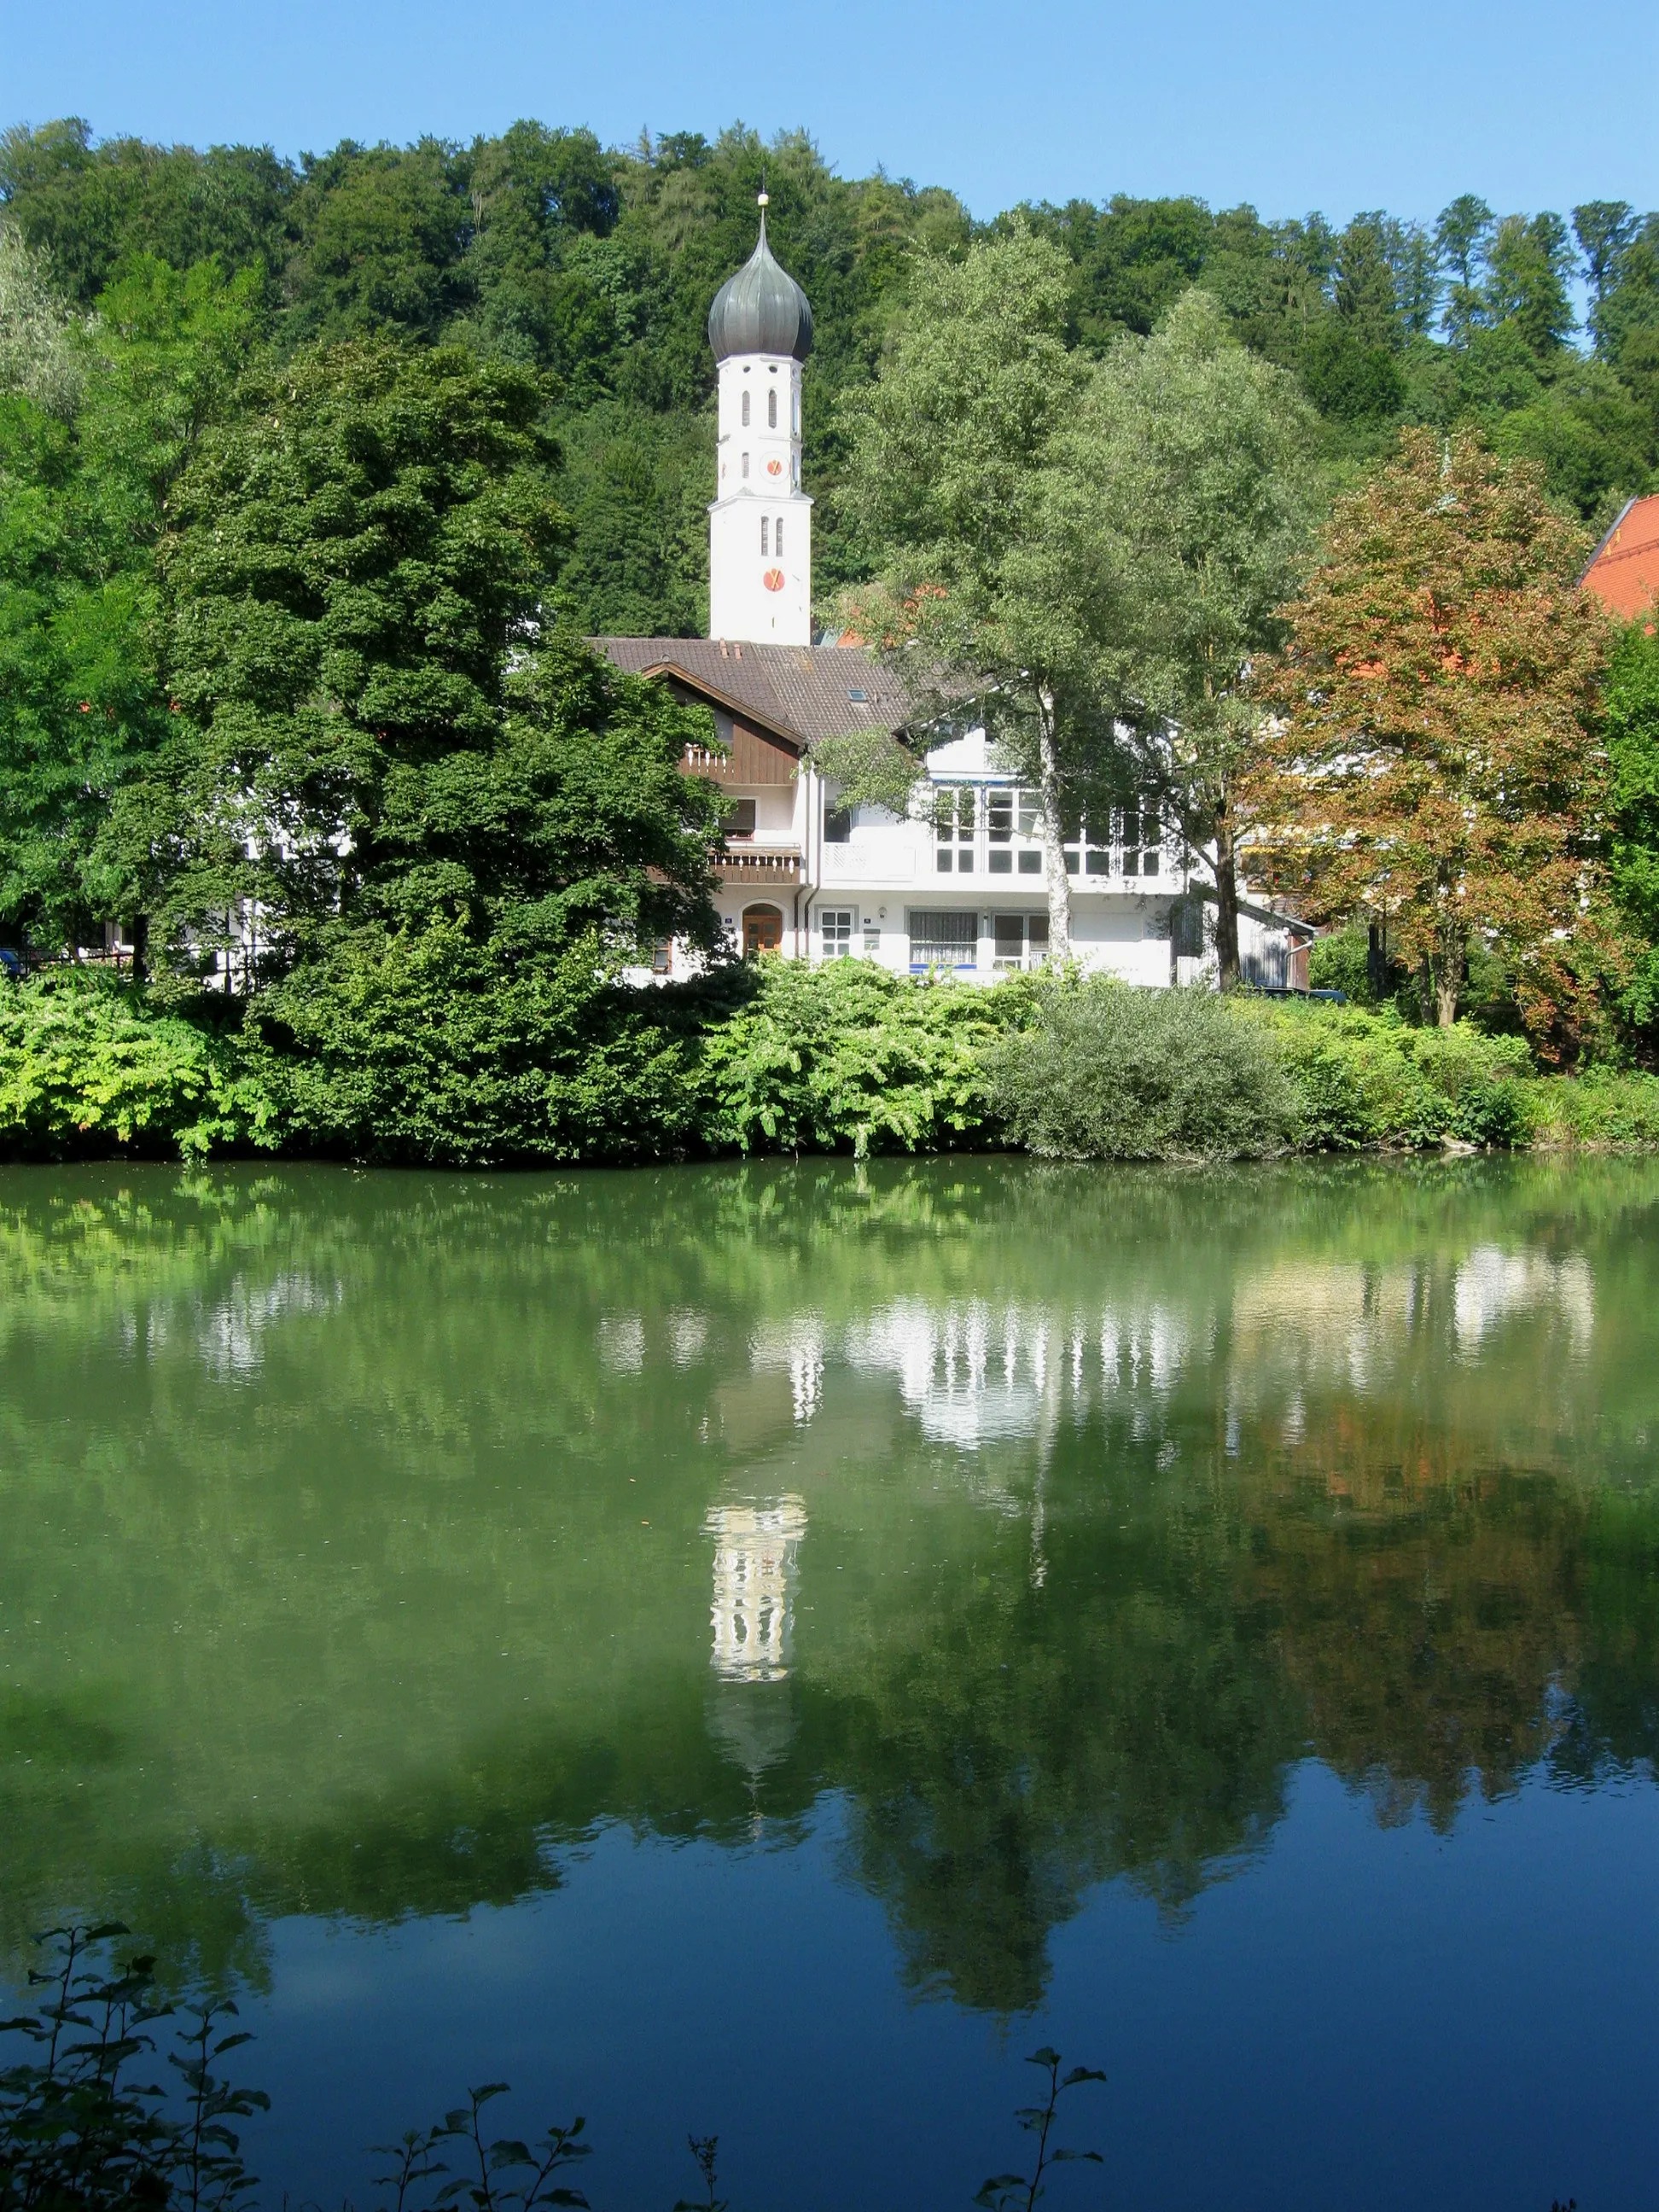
point(750, 1716)
point(755, 1548)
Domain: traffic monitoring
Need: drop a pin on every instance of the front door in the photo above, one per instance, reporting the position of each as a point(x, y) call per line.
point(763, 930)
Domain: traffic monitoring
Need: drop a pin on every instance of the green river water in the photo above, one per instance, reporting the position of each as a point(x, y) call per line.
point(761, 1648)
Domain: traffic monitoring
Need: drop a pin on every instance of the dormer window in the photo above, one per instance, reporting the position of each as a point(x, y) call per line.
point(745, 411)
point(772, 408)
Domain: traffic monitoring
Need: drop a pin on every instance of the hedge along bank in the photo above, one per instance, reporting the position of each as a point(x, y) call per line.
point(787, 1058)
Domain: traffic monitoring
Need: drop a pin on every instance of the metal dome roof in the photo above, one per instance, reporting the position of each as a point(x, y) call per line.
point(761, 310)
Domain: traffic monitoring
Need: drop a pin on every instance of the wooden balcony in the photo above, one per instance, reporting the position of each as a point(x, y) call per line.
point(747, 865)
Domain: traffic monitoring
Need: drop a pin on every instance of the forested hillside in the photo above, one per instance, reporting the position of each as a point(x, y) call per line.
point(544, 248)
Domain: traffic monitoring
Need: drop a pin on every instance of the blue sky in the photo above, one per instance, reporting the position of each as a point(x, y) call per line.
point(1287, 105)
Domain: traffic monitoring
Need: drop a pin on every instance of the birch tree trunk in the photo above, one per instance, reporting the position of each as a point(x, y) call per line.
point(1226, 898)
point(1054, 839)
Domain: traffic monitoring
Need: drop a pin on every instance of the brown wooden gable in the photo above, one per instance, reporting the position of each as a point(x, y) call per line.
point(758, 754)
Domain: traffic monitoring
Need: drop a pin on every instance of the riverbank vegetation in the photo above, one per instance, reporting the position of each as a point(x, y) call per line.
point(419, 1058)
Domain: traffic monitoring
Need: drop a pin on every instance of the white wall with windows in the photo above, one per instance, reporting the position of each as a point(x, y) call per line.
point(957, 886)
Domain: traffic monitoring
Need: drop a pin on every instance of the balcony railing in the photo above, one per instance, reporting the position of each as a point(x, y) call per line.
point(754, 863)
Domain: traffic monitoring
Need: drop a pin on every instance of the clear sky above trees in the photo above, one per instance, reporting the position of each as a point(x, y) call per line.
point(1291, 105)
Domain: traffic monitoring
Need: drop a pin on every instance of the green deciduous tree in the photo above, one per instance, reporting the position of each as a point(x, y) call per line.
point(39, 353)
point(1604, 230)
point(426, 835)
point(347, 564)
point(1461, 235)
point(467, 1005)
point(96, 419)
point(1632, 735)
point(1183, 498)
point(957, 474)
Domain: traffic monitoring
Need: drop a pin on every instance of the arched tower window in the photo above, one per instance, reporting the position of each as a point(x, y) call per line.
point(772, 409)
point(777, 539)
point(745, 411)
point(763, 538)
point(745, 464)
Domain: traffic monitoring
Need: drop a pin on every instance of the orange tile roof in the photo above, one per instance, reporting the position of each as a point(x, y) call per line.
point(1624, 570)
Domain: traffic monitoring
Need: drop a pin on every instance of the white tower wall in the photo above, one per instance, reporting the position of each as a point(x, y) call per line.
point(756, 593)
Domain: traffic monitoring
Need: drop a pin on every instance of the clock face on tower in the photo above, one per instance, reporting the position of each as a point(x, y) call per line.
point(773, 579)
point(774, 468)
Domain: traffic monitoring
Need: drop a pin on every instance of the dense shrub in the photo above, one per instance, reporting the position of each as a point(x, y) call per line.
point(426, 1045)
point(424, 1048)
point(1363, 1079)
point(848, 1057)
point(1603, 1107)
point(1111, 1073)
point(87, 1065)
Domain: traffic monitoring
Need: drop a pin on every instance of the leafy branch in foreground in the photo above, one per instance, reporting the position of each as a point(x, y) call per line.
point(74, 2130)
point(1019, 2192)
point(77, 2136)
point(508, 2175)
point(702, 2148)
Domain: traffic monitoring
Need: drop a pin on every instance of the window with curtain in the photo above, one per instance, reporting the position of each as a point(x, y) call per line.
point(943, 940)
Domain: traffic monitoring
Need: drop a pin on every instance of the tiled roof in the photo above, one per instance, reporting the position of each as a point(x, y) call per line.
point(802, 691)
point(1624, 572)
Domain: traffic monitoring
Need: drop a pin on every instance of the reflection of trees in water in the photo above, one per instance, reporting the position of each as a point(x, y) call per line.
point(1151, 1484)
point(1018, 1744)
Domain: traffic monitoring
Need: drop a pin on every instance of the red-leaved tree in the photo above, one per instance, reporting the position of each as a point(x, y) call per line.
point(1433, 763)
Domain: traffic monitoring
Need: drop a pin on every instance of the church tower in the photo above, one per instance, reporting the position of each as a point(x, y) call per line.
point(760, 525)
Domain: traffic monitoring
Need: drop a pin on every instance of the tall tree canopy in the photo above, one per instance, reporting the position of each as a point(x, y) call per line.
point(541, 246)
point(1185, 496)
point(956, 473)
point(346, 564)
point(1436, 765)
point(97, 419)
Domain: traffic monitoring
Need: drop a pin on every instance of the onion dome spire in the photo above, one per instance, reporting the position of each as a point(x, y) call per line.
point(762, 309)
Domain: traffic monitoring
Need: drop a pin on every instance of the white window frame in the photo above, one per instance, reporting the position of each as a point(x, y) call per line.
point(835, 926)
point(1033, 941)
point(955, 813)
